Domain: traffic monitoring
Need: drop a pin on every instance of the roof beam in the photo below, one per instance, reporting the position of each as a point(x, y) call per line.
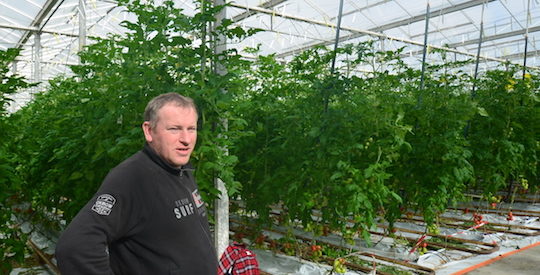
point(31, 30)
point(355, 32)
point(265, 5)
point(495, 37)
point(37, 21)
point(435, 13)
point(360, 9)
point(442, 29)
point(489, 38)
point(520, 55)
point(399, 23)
point(25, 60)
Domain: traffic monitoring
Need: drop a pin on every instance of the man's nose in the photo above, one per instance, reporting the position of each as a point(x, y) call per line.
point(183, 136)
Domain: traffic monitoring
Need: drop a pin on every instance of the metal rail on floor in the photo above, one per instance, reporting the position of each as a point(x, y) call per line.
point(493, 247)
point(529, 198)
point(43, 257)
point(446, 222)
point(500, 211)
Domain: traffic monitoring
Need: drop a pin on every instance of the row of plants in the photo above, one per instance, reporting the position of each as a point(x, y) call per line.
point(377, 145)
point(298, 136)
point(12, 241)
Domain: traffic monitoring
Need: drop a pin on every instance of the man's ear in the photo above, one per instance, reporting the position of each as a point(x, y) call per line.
point(147, 131)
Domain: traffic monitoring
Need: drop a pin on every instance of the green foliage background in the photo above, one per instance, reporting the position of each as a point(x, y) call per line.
point(344, 146)
point(12, 241)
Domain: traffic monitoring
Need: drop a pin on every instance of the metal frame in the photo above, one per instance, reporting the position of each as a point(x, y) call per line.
point(381, 29)
point(354, 31)
point(36, 24)
point(301, 26)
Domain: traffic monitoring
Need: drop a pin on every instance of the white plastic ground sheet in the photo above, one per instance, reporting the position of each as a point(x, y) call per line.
point(40, 270)
point(45, 242)
point(278, 264)
point(455, 266)
point(506, 242)
point(443, 261)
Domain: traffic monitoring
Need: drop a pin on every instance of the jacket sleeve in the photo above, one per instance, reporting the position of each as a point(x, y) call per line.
point(108, 216)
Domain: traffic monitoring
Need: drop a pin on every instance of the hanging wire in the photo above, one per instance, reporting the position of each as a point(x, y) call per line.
point(338, 27)
point(526, 38)
point(51, 15)
point(478, 50)
point(477, 63)
point(425, 48)
point(419, 101)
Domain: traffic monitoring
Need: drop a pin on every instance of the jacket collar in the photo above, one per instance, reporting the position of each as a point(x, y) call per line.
point(151, 153)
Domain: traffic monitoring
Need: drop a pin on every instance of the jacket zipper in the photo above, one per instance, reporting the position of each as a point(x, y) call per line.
point(192, 201)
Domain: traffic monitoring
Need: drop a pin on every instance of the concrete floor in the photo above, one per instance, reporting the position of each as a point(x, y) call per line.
point(524, 262)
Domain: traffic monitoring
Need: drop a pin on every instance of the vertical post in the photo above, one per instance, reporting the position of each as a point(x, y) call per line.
point(338, 27)
point(382, 48)
point(525, 56)
point(82, 24)
point(526, 39)
point(14, 67)
point(478, 52)
point(37, 57)
point(473, 94)
point(12, 107)
point(326, 92)
point(221, 204)
point(424, 51)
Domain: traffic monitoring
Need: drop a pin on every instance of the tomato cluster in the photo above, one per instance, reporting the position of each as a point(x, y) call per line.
point(289, 249)
point(510, 216)
point(316, 251)
point(339, 266)
point(478, 219)
point(260, 240)
point(422, 248)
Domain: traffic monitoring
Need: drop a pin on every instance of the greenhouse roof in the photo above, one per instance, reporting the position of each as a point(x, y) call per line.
point(511, 29)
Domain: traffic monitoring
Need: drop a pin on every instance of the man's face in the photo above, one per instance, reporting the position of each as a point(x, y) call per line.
point(174, 135)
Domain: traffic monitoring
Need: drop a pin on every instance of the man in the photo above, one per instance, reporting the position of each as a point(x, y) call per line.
point(147, 217)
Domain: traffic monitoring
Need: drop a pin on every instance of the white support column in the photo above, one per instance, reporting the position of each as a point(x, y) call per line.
point(221, 233)
point(37, 57)
point(221, 205)
point(14, 67)
point(82, 24)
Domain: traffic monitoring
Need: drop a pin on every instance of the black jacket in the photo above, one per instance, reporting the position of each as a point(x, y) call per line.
point(146, 218)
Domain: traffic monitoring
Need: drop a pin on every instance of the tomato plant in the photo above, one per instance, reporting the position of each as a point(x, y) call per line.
point(321, 142)
point(12, 241)
point(71, 135)
point(504, 141)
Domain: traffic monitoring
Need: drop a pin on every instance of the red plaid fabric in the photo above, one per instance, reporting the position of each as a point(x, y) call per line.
point(237, 260)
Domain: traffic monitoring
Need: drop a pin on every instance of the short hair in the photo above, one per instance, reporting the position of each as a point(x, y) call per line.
point(150, 112)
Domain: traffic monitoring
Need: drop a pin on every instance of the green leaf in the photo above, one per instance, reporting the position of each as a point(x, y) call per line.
point(482, 111)
point(397, 197)
point(75, 176)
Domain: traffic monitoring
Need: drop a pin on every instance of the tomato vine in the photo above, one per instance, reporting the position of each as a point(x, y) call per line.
point(12, 241)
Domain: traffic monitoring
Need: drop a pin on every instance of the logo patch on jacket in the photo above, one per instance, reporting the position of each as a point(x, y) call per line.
point(197, 198)
point(183, 208)
point(104, 204)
